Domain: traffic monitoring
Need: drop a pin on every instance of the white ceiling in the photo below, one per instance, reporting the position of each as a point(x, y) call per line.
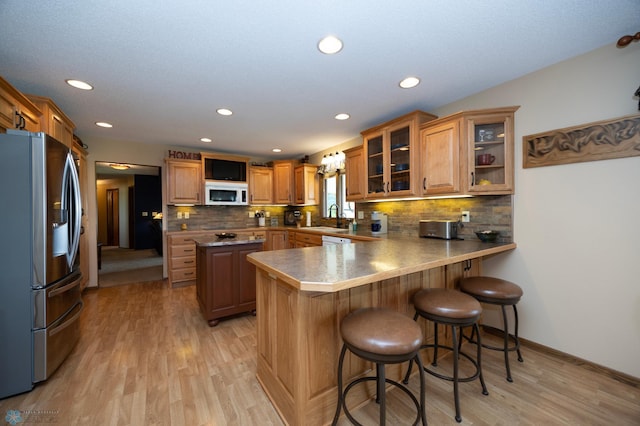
point(161, 69)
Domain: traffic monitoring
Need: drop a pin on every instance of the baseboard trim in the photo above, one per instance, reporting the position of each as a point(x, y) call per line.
point(591, 366)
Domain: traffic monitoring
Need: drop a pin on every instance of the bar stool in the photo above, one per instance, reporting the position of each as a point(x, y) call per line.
point(455, 309)
point(496, 291)
point(381, 336)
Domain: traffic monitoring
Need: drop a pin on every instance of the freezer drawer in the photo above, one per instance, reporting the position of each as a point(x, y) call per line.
point(51, 302)
point(53, 344)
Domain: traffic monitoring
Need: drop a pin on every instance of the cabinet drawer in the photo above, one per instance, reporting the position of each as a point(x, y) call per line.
point(176, 240)
point(183, 251)
point(183, 274)
point(309, 238)
point(183, 262)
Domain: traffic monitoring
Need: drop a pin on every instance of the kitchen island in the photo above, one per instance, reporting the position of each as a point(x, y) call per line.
point(225, 281)
point(302, 296)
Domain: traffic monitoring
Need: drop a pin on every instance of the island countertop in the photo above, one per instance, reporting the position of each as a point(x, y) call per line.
point(217, 242)
point(338, 267)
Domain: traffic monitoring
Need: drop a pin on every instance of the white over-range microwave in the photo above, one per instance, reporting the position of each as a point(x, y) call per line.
point(226, 193)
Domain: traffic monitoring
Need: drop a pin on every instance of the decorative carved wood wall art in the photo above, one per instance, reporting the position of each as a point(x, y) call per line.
point(601, 140)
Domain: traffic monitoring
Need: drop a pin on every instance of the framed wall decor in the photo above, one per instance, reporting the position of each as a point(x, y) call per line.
point(601, 140)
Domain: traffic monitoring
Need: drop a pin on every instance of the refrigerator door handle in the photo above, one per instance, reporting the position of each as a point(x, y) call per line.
point(73, 204)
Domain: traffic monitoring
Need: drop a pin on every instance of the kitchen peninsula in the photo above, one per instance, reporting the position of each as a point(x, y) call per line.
point(303, 296)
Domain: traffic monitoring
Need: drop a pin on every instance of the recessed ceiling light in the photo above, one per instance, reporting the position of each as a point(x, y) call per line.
point(79, 84)
point(276, 150)
point(104, 124)
point(342, 116)
point(409, 82)
point(330, 45)
point(205, 140)
point(224, 111)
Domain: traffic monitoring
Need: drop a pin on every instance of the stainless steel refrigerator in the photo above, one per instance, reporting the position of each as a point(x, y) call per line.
point(40, 300)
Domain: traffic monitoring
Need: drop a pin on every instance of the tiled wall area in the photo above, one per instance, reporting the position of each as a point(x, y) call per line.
point(487, 212)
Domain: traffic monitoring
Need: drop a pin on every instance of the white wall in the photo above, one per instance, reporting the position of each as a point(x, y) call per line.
point(576, 225)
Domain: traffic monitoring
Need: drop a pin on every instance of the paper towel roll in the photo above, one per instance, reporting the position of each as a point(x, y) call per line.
point(308, 218)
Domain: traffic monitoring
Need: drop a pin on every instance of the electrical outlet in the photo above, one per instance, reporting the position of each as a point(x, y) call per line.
point(179, 215)
point(186, 215)
point(252, 214)
point(360, 215)
point(466, 217)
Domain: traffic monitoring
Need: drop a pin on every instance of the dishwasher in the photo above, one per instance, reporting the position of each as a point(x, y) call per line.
point(328, 240)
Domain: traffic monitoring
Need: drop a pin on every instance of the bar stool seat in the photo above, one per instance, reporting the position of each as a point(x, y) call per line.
point(457, 310)
point(497, 291)
point(381, 336)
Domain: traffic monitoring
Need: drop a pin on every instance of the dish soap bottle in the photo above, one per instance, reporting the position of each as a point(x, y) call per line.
point(354, 225)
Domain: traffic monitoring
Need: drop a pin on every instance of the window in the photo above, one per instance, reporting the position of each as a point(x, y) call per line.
point(334, 192)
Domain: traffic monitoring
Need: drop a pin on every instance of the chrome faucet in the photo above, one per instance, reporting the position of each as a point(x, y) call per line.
point(338, 221)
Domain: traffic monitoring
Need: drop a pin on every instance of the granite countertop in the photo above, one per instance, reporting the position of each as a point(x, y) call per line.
point(214, 241)
point(342, 266)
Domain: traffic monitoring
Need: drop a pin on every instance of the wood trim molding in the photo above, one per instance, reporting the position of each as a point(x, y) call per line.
point(601, 140)
point(591, 366)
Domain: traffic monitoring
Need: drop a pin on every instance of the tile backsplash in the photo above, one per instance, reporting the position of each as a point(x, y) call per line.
point(487, 212)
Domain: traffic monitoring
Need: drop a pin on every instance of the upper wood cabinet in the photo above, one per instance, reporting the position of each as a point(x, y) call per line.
point(440, 157)
point(470, 152)
point(184, 181)
point(355, 177)
point(283, 182)
point(489, 144)
point(391, 155)
point(53, 121)
point(306, 184)
point(260, 185)
point(16, 110)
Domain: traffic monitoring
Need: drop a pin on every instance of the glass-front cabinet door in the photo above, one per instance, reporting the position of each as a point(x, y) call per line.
point(400, 160)
point(391, 155)
point(490, 141)
point(375, 164)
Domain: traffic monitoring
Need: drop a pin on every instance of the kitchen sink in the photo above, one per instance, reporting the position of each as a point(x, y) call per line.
point(329, 229)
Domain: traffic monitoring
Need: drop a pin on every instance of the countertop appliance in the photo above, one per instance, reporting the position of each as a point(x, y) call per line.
point(291, 217)
point(329, 240)
point(378, 223)
point(40, 301)
point(444, 229)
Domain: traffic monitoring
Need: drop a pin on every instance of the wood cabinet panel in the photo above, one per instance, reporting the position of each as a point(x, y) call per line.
point(17, 111)
point(440, 158)
point(184, 181)
point(355, 176)
point(225, 280)
point(306, 185)
point(53, 121)
point(260, 185)
point(283, 182)
point(277, 240)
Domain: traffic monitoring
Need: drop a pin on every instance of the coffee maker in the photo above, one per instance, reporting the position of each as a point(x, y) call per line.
point(378, 223)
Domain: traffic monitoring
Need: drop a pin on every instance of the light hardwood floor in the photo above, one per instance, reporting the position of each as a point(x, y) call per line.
point(146, 357)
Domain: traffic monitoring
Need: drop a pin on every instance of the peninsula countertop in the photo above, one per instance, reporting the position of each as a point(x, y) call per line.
point(338, 267)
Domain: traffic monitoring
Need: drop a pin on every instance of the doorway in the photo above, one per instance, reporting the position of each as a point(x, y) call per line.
point(129, 200)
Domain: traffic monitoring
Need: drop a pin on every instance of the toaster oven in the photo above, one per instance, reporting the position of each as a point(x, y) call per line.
point(444, 229)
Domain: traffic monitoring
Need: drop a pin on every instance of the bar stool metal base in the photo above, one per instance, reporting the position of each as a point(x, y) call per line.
point(380, 380)
point(511, 341)
point(457, 353)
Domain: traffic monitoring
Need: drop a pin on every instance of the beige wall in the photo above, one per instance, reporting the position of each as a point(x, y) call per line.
point(576, 225)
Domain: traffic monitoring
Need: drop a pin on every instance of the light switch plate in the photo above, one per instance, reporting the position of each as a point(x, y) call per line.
point(360, 215)
point(186, 215)
point(252, 214)
point(179, 215)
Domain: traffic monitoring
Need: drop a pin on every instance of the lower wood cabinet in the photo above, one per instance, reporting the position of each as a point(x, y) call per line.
point(225, 280)
point(276, 240)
